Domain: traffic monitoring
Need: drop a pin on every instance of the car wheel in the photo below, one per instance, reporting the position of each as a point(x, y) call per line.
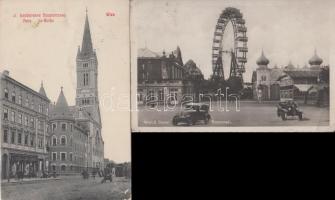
point(283, 116)
point(189, 122)
point(300, 116)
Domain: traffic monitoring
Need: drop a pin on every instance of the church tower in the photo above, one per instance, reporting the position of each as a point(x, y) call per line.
point(87, 76)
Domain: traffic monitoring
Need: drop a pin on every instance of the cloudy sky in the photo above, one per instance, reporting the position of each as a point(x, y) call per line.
point(287, 30)
point(48, 52)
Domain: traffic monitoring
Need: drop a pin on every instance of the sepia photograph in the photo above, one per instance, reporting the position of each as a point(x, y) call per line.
point(62, 136)
point(231, 64)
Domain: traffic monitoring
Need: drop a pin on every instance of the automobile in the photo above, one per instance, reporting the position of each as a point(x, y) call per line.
point(288, 108)
point(192, 113)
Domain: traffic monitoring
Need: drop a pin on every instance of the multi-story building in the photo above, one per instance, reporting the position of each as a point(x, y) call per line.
point(24, 137)
point(164, 79)
point(69, 139)
point(88, 149)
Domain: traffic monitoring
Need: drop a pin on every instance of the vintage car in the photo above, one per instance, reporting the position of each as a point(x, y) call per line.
point(288, 108)
point(192, 113)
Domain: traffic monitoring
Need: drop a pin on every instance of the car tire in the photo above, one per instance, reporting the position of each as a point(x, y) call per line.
point(300, 116)
point(283, 116)
point(189, 122)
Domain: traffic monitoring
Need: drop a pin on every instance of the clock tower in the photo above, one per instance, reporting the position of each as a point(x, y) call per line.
point(87, 76)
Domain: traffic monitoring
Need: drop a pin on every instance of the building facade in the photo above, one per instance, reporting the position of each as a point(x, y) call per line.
point(24, 119)
point(264, 79)
point(87, 110)
point(68, 140)
point(307, 84)
point(165, 79)
point(39, 137)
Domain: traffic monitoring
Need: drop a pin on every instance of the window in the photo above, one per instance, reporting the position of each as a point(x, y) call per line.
point(40, 108)
point(27, 102)
point(13, 137)
point(85, 64)
point(54, 156)
point(19, 138)
point(54, 141)
point(71, 127)
point(6, 93)
point(5, 135)
point(32, 123)
point(53, 167)
point(20, 100)
point(26, 139)
point(13, 97)
point(63, 167)
point(32, 140)
point(63, 140)
point(71, 141)
point(26, 120)
point(13, 116)
point(40, 143)
point(63, 156)
point(63, 127)
point(32, 106)
point(70, 157)
point(5, 114)
point(54, 127)
point(20, 118)
point(86, 80)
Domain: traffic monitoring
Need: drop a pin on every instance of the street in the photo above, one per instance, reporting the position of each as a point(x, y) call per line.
point(250, 113)
point(68, 188)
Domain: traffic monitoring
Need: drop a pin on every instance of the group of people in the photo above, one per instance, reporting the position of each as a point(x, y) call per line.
point(107, 174)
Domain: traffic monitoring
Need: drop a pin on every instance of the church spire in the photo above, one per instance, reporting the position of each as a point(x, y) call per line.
point(86, 46)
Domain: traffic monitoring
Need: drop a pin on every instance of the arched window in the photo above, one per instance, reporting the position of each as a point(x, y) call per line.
point(63, 167)
point(13, 97)
point(71, 141)
point(54, 140)
point(6, 93)
point(63, 140)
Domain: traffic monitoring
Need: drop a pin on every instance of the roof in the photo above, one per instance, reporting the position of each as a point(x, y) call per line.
point(303, 87)
point(42, 91)
point(275, 73)
point(86, 46)
point(61, 109)
point(303, 73)
point(146, 53)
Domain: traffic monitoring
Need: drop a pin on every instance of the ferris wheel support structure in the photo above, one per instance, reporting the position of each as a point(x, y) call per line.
point(238, 54)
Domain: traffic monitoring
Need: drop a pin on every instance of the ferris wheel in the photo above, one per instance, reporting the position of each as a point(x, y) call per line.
point(238, 53)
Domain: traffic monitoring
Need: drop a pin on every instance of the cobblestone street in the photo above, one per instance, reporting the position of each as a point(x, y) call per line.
point(68, 188)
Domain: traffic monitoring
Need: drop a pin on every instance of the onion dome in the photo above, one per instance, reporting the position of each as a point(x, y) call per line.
point(315, 60)
point(262, 60)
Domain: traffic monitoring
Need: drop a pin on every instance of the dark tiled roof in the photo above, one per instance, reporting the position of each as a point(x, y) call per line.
point(303, 73)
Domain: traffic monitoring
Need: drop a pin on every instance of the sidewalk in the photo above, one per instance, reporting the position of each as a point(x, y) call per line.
point(26, 180)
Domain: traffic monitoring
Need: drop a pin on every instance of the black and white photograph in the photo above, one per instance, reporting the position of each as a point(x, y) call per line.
point(224, 63)
point(62, 137)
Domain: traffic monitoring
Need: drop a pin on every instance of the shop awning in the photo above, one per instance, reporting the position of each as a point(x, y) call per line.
point(303, 87)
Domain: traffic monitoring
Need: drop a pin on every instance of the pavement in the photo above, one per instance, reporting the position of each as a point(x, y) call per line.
point(69, 188)
point(247, 113)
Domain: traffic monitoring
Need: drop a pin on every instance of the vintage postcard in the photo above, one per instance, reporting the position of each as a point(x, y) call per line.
point(64, 65)
point(224, 65)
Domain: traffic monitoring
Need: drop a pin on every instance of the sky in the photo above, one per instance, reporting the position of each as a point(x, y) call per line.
point(287, 30)
point(47, 53)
